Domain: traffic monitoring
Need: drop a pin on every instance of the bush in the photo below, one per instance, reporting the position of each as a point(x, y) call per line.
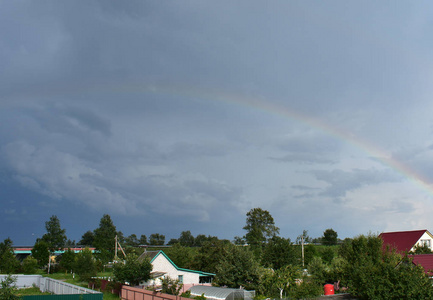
point(30, 265)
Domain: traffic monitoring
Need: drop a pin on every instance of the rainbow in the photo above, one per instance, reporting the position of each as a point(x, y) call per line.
point(285, 112)
point(258, 104)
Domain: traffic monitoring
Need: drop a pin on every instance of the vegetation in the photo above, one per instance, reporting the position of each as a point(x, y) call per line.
point(55, 237)
point(261, 260)
point(85, 265)
point(29, 265)
point(372, 273)
point(104, 237)
point(132, 270)
point(8, 288)
point(8, 263)
point(260, 227)
point(171, 286)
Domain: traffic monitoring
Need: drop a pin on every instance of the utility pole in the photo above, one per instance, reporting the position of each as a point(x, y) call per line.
point(302, 243)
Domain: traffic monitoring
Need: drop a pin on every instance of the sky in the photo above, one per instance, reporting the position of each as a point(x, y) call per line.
point(183, 115)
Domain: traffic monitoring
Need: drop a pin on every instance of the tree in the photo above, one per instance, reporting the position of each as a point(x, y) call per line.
point(201, 239)
point(330, 237)
point(55, 236)
point(210, 255)
point(8, 288)
point(307, 239)
point(8, 262)
point(186, 239)
point(143, 240)
point(87, 239)
point(260, 227)
point(85, 265)
point(29, 265)
point(421, 249)
point(371, 272)
point(67, 260)
point(104, 238)
point(279, 281)
point(132, 240)
point(279, 253)
point(170, 286)
point(41, 252)
point(240, 241)
point(183, 257)
point(157, 239)
point(133, 270)
point(238, 267)
point(173, 242)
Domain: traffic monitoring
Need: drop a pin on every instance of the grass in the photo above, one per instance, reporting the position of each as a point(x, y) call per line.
point(31, 291)
point(67, 277)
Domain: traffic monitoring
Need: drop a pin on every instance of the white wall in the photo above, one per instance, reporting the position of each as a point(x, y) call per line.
point(424, 237)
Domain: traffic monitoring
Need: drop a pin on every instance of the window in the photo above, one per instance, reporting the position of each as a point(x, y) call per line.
point(426, 243)
point(180, 278)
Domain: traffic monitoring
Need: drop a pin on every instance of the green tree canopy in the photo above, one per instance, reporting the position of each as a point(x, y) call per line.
point(186, 239)
point(330, 237)
point(184, 257)
point(87, 239)
point(132, 271)
point(260, 227)
point(8, 262)
point(371, 272)
point(67, 260)
point(210, 255)
point(157, 239)
point(55, 236)
point(104, 238)
point(8, 288)
point(143, 239)
point(238, 267)
point(30, 265)
point(41, 252)
point(276, 282)
point(85, 265)
point(279, 253)
point(132, 240)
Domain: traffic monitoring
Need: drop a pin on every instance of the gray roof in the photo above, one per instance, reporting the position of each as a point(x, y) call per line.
point(212, 292)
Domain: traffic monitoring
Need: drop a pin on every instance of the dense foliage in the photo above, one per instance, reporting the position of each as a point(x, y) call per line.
point(55, 236)
point(372, 273)
point(260, 226)
point(8, 263)
point(8, 288)
point(132, 270)
point(269, 264)
point(104, 237)
point(85, 265)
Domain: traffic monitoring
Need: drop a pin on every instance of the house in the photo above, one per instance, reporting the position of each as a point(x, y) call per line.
point(424, 260)
point(163, 267)
point(406, 241)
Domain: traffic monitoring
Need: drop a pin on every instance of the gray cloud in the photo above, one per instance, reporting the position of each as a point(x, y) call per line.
point(340, 182)
point(202, 110)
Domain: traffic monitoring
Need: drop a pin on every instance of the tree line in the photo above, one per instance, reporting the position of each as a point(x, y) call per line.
point(261, 260)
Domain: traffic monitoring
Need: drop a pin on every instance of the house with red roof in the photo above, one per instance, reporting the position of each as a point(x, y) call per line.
point(406, 241)
point(424, 260)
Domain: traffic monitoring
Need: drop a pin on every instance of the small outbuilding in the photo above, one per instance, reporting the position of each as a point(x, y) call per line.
point(220, 293)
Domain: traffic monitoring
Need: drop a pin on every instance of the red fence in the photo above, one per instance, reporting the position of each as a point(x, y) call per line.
point(130, 293)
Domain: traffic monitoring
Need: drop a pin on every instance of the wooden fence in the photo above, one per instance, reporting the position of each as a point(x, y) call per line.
point(130, 293)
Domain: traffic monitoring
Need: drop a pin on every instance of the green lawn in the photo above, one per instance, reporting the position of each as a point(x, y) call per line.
point(31, 291)
point(67, 277)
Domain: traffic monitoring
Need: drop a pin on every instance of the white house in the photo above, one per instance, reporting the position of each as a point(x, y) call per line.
point(163, 267)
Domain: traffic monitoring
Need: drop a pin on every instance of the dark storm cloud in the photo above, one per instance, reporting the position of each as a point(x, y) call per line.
point(137, 108)
point(341, 182)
